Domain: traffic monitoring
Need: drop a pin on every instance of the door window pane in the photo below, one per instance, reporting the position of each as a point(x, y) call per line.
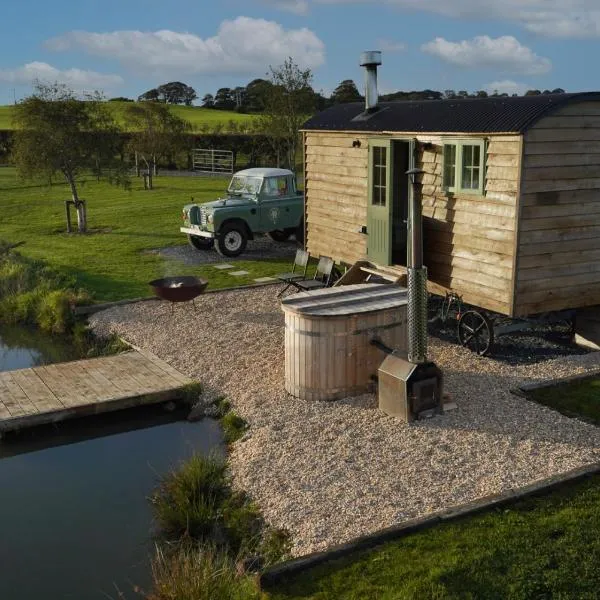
point(378, 191)
point(471, 167)
point(449, 166)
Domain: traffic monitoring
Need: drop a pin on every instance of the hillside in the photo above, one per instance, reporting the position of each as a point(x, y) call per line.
point(195, 115)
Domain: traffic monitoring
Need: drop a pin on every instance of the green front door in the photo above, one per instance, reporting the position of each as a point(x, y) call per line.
point(379, 212)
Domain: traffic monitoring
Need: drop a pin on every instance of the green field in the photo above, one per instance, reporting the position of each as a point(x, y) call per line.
point(546, 547)
point(197, 116)
point(114, 260)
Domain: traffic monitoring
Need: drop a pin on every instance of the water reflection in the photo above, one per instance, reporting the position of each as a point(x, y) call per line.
point(76, 522)
point(21, 347)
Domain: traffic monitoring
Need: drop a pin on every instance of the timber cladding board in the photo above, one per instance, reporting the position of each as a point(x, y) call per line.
point(559, 244)
point(471, 237)
point(50, 393)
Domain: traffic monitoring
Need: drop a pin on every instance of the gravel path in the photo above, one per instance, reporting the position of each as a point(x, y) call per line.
point(259, 248)
point(332, 471)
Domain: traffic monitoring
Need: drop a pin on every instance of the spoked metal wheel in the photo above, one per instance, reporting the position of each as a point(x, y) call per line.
point(476, 332)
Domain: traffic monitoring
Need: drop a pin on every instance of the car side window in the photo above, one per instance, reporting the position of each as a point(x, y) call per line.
point(276, 186)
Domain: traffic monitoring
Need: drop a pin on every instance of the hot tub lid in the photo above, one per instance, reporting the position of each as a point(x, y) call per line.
point(346, 300)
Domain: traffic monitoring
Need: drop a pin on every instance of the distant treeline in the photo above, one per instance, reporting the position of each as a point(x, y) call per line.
point(255, 148)
point(252, 97)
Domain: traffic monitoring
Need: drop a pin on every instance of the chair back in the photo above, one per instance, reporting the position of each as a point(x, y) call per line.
point(324, 269)
point(301, 260)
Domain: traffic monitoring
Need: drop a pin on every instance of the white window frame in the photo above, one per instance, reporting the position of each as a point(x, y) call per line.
point(458, 187)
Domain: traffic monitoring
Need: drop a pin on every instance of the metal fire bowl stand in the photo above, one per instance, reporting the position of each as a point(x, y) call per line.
point(179, 289)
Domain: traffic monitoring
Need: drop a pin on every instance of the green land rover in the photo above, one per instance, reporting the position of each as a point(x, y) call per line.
point(258, 201)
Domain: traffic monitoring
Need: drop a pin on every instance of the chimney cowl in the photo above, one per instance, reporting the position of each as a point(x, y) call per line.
point(370, 60)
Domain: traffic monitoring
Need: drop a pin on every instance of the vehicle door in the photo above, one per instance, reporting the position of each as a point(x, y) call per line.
point(278, 204)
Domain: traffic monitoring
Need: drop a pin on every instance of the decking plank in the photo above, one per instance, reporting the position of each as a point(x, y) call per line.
point(58, 384)
point(21, 403)
point(51, 393)
point(36, 390)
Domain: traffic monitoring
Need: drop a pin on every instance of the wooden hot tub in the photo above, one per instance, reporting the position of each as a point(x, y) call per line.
point(328, 354)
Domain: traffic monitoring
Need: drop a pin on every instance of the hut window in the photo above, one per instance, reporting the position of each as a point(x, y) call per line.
point(450, 166)
point(464, 166)
point(379, 175)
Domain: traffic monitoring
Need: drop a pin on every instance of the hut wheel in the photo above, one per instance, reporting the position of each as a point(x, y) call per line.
point(476, 332)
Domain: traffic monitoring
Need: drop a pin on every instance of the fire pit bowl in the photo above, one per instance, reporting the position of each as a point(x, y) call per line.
point(178, 289)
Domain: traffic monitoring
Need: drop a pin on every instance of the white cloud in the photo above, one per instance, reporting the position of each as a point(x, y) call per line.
point(507, 87)
point(241, 46)
point(390, 46)
point(505, 53)
point(76, 79)
point(552, 18)
point(298, 7)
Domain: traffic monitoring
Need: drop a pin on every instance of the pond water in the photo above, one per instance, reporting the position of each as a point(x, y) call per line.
point(21, 347)
point(76, 522)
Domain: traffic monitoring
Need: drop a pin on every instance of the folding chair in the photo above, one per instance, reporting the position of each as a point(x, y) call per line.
point(300, 261)
point(322, 278)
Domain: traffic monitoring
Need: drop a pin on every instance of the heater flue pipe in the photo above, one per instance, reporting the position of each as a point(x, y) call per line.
point(417, 278)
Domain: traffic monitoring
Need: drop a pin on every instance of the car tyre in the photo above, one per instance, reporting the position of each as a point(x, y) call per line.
point(232, 240)
point(200, 243)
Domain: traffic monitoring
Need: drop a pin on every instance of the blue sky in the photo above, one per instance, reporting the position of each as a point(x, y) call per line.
point(126, 47)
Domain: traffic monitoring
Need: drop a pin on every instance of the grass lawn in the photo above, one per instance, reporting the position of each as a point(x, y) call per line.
point(194, 114)
point(546, 547)
point(572, 399)
point(112, 261)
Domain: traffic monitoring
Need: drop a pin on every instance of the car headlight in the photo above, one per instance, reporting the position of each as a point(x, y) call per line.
point(209, 218)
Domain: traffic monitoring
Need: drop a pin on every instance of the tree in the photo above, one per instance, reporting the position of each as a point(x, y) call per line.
point(208, 101)
point(257, 92)
point(120, 99)
point(150, 96)
point(157, 133)
point(176, 92)
point(291, 101)
point(345, 92)
point(58, 133)
point(224, 99)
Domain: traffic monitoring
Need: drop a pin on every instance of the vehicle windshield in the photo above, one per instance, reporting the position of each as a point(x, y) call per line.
point(244, 184)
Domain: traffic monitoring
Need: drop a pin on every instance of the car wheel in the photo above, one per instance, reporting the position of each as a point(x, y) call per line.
point(280, 235)
point(200, 243)
point(232, 240)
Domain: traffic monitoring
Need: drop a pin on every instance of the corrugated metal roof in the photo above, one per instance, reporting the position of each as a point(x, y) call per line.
point(469, 115)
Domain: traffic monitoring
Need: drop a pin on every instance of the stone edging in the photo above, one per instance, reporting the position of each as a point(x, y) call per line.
point(281, 571)
point(524, 389)
point(94, 308)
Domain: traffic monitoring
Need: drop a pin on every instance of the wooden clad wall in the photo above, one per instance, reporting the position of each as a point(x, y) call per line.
point(469, 239)
point(335, 183)
point(558, 264)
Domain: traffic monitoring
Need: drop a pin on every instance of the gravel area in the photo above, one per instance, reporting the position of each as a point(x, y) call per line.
point(259, 248)
point(332, 471)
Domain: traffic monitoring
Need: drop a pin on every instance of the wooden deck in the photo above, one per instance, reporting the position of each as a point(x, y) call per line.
point(51, 393)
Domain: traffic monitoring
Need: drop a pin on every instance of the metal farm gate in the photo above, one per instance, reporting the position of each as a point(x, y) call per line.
point(217, 162)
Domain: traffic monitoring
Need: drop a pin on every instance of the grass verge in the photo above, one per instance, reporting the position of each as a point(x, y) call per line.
point(543, 547)
point(575, 399)
point(117, 258)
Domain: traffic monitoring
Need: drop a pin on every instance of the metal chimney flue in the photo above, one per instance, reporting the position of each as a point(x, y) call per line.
point(371, 60)
point(417, 280)
point(412, 387)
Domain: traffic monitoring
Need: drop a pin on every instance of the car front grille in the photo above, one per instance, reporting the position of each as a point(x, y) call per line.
point(203, 220)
